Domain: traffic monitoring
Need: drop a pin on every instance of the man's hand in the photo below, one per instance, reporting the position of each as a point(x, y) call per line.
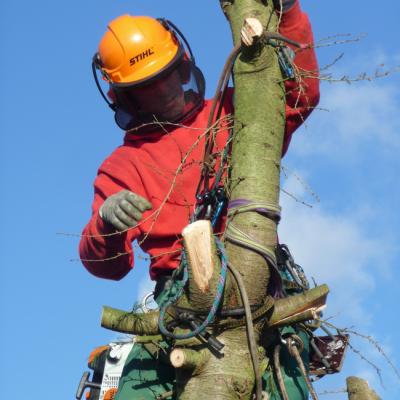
point(124, 209)
point(283, 5)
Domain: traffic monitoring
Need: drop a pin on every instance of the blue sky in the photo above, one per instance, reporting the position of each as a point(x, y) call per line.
point(55, 130)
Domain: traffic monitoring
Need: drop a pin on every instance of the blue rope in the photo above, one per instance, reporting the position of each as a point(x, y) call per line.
point(214, 307)
point(175, 291)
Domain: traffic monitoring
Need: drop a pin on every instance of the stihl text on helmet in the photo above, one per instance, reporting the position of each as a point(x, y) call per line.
point(141, 56)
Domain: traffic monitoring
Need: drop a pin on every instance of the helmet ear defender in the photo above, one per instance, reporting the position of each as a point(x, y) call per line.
point(188, 58)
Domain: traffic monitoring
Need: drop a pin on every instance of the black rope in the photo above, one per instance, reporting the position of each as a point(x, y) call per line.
point(250, 330)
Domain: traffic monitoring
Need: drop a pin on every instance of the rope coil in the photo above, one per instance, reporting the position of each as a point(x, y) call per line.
point(214, 308)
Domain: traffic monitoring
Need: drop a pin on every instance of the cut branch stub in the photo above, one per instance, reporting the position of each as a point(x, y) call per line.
point(204, 265)
point(199, 245)
point(358, 389)
point(300, 307)
point(189, 359)
point(130, 322)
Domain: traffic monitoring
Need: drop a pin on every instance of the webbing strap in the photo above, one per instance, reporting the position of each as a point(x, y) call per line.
point(270, 210)
point(257, 314)
point(237, 236)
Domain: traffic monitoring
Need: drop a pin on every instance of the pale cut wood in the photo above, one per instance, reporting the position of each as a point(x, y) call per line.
point(197, 239)
point(189, 359)
point(306, 315)
point(177, 358)
point(251, 31)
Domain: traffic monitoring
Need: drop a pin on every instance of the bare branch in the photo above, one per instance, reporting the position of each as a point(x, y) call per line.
point(334, 41)
point(301, 181)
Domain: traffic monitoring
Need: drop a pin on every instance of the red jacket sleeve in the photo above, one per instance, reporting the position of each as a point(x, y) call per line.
point(104, 253)
point(302, 96)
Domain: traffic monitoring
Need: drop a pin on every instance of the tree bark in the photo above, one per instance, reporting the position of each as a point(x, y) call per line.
point(257, 145)
point(130, 322)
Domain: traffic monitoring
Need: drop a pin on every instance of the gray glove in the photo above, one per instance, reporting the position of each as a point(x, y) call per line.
point(124, 209)
point(286, 5)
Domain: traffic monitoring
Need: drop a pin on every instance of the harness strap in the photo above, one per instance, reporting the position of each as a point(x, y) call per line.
point(237, 236)
point(268, 209)
point(257, 314)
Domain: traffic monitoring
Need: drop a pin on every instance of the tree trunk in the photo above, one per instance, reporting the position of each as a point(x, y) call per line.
point(255, 168)
point(257, 145)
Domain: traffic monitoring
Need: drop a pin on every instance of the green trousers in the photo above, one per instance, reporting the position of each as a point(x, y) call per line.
point(295, 384)
point(147, 375)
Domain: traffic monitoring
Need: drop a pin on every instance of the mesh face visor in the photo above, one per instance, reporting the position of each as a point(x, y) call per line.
point(172, 96)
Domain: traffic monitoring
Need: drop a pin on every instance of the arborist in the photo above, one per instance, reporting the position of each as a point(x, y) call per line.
point(146, 189)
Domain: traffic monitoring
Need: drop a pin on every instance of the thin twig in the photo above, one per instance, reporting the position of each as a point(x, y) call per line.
point(296, 199)
point(325, 392)
point(377, 346)
point(302, 182)
point(330, 40)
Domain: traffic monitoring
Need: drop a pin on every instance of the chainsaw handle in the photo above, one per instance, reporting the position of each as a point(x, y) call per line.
point(85, 383)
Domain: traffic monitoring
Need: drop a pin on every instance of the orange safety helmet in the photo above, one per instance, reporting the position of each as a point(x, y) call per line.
point(137, 51)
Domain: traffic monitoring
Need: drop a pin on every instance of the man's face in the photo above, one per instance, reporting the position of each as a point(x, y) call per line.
point(164, 97)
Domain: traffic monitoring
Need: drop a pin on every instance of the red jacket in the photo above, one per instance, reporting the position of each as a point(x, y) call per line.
point(149, 165)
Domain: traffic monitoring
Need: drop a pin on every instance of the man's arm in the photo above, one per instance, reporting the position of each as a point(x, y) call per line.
point(104, 251)
point(303, 96)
